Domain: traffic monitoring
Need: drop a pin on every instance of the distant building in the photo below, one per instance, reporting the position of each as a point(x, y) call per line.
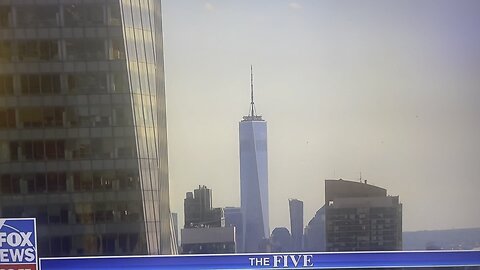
point(296, 223)
point(359, 216)
point(254, 179)
point(234, 218)
point(281, 240)
point(213, 240)
point(205, 230)
point(314, 238)
point(199, 212)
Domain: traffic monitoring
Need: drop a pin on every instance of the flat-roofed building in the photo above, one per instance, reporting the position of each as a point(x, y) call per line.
point(359, 216)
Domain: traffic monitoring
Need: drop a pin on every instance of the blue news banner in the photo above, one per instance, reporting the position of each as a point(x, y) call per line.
point(18, 244)
point(352, 260)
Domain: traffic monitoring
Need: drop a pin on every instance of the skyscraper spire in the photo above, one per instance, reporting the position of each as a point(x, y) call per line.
point(252, 103)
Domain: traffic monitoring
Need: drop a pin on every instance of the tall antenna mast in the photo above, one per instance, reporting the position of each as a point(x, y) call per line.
point(252, 104)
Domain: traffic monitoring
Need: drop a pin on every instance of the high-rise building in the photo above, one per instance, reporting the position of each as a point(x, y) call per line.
point(360, 216)
point(199, 212)
point(296, 223)
point(205, 230)
point(254, 178)
point(83, 140)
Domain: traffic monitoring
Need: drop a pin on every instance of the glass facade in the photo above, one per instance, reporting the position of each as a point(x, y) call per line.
point(83, 144)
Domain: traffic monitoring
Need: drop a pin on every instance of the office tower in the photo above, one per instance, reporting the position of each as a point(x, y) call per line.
point(314, 238)
point(234, 218)
point(281, 240)
point(296, 223)
point(205, 230)
point(199, 212)
point(254, 178)
point(82, 125)
point(360, 216)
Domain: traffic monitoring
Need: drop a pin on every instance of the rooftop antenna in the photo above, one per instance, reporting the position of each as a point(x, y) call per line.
point(252, 104)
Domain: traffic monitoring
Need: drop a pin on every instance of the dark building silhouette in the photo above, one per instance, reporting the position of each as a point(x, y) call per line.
point(281, 240)
point(234, 218)
point(199, 212)
point(205, 231)
point(296, 223)
point(359, 216)
point(314, 239)
point(83, 138)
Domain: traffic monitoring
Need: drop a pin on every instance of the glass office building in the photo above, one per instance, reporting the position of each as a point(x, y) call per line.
point(83, 144)
point(254, 179)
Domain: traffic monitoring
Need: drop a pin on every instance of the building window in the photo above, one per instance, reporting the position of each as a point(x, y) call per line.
point(83, 15)
point(85, 49)
point(5, 51)
point(4, 16)
point(87, 83)
point(9, 184)
point(6, 85)
point(7, 118)
point(38, 50)
point(41, 117)
point(37, 16)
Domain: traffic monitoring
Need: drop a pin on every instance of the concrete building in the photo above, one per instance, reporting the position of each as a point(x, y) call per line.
point(212, 240)
point(296, 223)
point(254, 179)
point(360, 216)
point(83, 139)
point(199, 212)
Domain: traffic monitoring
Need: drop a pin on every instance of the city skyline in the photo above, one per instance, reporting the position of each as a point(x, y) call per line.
point(386, 90)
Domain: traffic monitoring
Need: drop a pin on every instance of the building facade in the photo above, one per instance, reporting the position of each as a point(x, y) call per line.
point(234, 218)
point(296, 223)
point(211, 240)
point(254, 179)
point(83, 141)
point(199, 212)
point(361, 217)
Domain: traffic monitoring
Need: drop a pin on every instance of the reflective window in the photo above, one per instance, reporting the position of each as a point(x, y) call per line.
point(124, 147)
point(6, 85)
point(4, 16)
point(7, 118)
point(119, 82)
point(114, 14)
point(87, 82)
point(102, 149)
point(36, 150)
point(9, 184)
point(34, 84)
point(85, 49)
point(122, 116)
point(117, 50)
point(38, 50)
point(37, 16)
point(103, 180)
point(31, 117)
point(82, 181)
point(5, 51)
point(83, 15)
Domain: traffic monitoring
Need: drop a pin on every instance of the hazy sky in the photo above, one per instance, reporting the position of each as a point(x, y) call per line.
point(390, 89)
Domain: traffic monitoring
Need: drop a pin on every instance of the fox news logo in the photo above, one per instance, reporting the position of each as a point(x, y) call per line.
point(18, 244)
